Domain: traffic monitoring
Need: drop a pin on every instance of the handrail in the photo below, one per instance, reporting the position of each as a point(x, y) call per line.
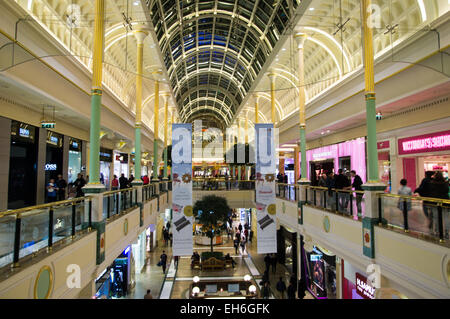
point(426, 199)
point(41, 206)
point(118, 191)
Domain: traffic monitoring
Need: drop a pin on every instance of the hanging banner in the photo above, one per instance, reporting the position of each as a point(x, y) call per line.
point(182, 220)
point(265, 189)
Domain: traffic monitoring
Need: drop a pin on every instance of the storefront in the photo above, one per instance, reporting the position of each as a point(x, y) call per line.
point(350, 155)
point(121, 165)
point(139, 251)
point(106, 158)
point(354, 283)
point(287, 250)
point(74, 159)
point(428, 152)
point(114, 282)
point(319, 269)
point(22, 165)
point(54, 156)
point(384, 164)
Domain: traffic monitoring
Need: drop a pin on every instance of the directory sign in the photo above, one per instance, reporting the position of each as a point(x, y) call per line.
point(182, 189)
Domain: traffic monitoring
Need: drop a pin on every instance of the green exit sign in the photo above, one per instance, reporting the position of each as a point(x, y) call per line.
point(47, 125)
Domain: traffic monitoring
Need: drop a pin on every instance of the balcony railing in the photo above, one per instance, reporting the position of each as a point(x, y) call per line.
point(345, 202)
point(119, 201)
point(212, 184)
point(427, 217)
point(25, 232)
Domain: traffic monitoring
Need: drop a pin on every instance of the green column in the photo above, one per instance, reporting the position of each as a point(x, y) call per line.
point(94, 138)
point(165, 163)
point(372, 152)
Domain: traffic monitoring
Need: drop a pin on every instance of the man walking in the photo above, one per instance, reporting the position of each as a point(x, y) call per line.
point(267, 261)
point(163, 261)
point(273, 261)
point(281, 287)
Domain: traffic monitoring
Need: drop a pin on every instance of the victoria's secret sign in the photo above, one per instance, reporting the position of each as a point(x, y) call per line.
point(425, 143)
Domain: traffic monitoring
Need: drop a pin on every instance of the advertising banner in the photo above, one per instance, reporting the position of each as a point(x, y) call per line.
point(182, 221)
point(265, 189)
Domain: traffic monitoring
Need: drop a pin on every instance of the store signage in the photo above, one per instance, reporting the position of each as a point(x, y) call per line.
point(24, 132)
point(383, 145)
point(266, 213)
point(50, 167)
point(182, 189)
point(363, 288)
point(425, 143)
point(322, 155)
point(48, 124)
point(315, 257)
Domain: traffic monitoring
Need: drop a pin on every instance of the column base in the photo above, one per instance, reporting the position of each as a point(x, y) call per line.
point(137, 183)
point(94, 188)
point(304, 182)
point(373, 187)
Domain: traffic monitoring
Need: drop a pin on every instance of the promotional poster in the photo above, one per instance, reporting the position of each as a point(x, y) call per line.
point(182, 189)
point(265, 189)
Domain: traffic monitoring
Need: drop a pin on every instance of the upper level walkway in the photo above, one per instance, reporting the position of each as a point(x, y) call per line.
point(410, 235)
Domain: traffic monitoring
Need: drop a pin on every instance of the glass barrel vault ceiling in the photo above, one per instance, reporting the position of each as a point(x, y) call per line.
point(213, 50)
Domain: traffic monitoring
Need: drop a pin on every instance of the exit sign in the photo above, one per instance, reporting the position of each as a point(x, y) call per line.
point(47, 124)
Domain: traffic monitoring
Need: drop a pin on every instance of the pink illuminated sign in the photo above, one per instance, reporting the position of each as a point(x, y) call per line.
point(425, 143)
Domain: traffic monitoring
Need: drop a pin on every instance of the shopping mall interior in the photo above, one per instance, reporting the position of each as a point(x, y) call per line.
point(224, 149)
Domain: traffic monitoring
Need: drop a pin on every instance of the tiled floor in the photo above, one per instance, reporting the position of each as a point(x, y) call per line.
point(177, 284)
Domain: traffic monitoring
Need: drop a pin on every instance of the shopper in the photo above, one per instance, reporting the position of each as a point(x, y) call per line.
point(145, 180)
point(228, 257)
point(115, 183)
point(148, 295)
point(404, 190)
point(273, 262)
point(79, 184)
point(267, 261)
point(163, 261)
point(130, 180)
point(291, 291)
point(281, 287)
point(61, 184)
point(438, 189)
point(51, 191)
point(331, 183)
point(123, 181)
point(357, 185)
point(243, 245)
point(236, 245)
point(424, 191)
point(266, 290)
point(301, 288)
point(341, 183)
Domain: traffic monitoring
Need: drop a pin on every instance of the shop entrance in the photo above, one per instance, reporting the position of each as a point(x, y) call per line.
point(287, 250)
point(320, 271)
point(437, 164)
point(22, 166)
point(318, 168)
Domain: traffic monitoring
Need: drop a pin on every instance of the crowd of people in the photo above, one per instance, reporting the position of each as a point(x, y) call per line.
point(58, 190)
